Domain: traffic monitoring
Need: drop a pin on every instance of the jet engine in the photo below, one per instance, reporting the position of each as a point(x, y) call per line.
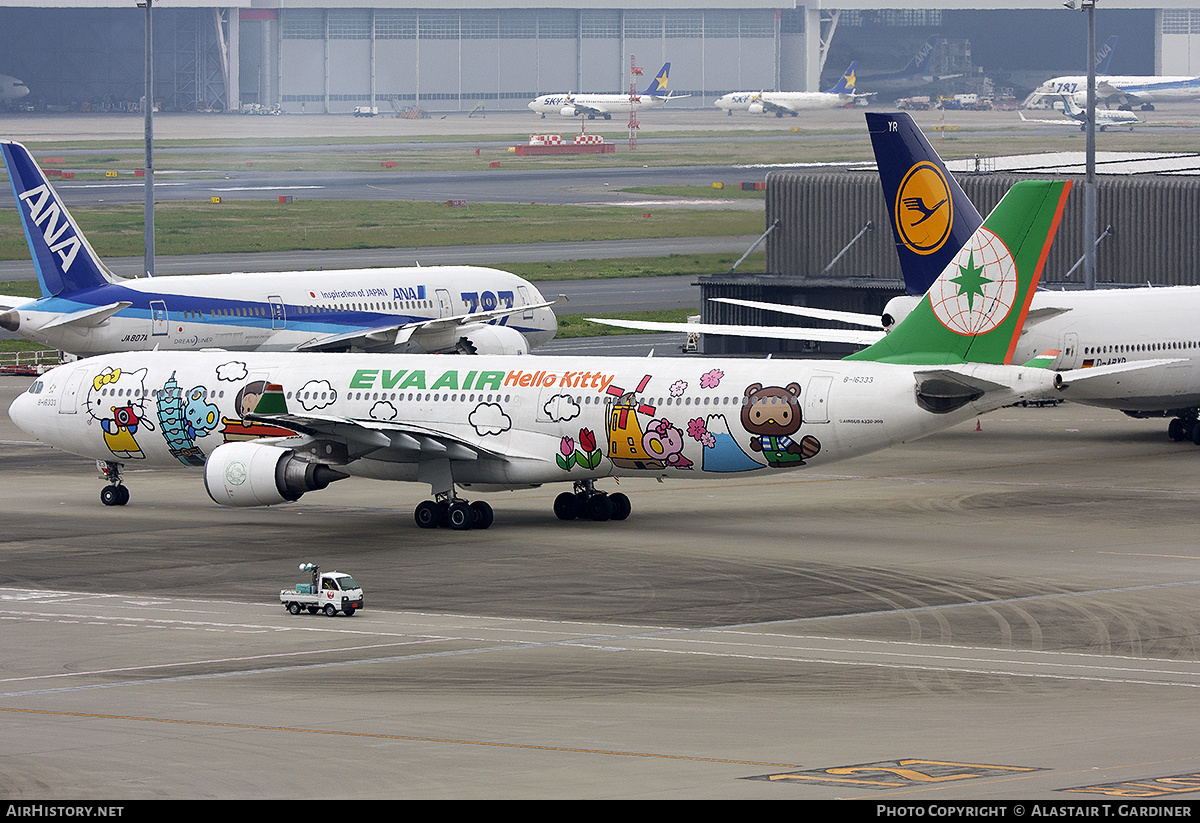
point(569, 111)
point(897, 309)
point(10, 320)
point(755, 108)
point(254, 474)
point(488, 339)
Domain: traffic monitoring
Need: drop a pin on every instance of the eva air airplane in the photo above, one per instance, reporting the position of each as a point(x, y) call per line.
point(267, 428)
point(85, 309)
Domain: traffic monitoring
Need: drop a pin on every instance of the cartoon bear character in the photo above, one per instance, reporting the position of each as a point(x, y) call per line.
point(772, 415)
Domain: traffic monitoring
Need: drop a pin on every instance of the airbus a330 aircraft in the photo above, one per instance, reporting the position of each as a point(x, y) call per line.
point(496, 423)
point(605, 105)
point(1105, 118)
point(86, 309)
point(932, 219)
point(780, 103)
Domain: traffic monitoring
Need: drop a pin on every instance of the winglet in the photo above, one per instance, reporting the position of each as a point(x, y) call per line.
point(975, 311)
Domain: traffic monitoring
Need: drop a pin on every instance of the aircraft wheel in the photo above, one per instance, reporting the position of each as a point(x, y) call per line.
point(482, 515)
point(294, 608)
point(599, 507)
point(330, 610)
point(565, 507)
point(111, 496)
point(1176, 429)
point(621, 507)
point(459, 516)
point(427, 515)
point(1195, 433)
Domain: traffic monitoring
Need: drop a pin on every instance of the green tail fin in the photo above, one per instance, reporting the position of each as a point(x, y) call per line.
point(974, 311)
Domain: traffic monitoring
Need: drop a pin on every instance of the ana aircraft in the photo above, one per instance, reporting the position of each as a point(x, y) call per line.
point(1105, 118)
point(1124, 90)
point(504, 422)
point(914, 74)
point(604, 105)
point(780, 103)
point(11, 89)
point(86, 309)
point(932, 219)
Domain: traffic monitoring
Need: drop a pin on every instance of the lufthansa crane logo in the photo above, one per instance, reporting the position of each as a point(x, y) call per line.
point(924, 209)
point(978, 289)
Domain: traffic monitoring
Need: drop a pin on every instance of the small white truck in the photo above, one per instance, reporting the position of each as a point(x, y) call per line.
point(330, 592)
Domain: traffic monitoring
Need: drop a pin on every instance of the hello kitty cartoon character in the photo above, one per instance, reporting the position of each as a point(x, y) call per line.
point(117, 399)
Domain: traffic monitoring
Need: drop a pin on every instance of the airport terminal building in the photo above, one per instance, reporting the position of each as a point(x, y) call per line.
point(305, 55)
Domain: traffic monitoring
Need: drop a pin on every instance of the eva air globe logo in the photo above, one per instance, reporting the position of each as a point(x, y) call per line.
point(977, 290)
point(235, 473)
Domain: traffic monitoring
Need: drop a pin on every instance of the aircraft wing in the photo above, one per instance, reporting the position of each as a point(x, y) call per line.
point(869, 320)
point(860, 338)
point(773, 107)
point(397, 334)
point(583, 108)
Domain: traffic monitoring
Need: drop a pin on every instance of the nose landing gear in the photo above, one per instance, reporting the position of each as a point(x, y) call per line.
point(115, 493)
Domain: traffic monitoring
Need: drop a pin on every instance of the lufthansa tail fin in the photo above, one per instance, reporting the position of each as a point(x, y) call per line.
point(932, 217)
point(975, 310)
point(845, 85)
point(62, 257)
point(658, 86)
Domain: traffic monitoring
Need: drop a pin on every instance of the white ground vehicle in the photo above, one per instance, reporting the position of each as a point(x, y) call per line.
point(330, 592)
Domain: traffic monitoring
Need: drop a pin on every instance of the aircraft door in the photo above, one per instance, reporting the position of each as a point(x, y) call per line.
point(1069, 358)
point(158, 318)
point(445, 303)
point(69, 402)
point(524, 292)
point(816, 401)
point(278, 314)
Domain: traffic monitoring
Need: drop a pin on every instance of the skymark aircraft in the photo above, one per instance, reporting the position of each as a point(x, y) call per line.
point(604, 105)
point(495, 423)
point(1153, 330)
point(1105, 118)
point(86, 309)
point(780, 103)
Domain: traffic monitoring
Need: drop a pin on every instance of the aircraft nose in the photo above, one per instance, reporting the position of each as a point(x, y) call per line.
point(532, 105)
point(23, 412)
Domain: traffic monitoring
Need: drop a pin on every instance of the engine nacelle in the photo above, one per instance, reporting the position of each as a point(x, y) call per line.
point(253, 474)
point(568, 111)
point(10, 320)
point(488, 339)
point(755, 108)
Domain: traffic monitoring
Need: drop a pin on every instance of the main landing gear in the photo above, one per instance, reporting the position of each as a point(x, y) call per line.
point(589, 503)
point(115, 493)
point(453, 512)
point(1185, 427)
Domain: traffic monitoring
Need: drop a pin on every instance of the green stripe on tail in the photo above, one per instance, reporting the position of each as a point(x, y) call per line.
point(975, 310)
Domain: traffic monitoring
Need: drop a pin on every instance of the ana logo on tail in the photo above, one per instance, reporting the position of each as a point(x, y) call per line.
point(43, 208)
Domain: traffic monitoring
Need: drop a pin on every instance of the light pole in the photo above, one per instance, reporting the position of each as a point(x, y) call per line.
point(1089, 186)
point(148, 261)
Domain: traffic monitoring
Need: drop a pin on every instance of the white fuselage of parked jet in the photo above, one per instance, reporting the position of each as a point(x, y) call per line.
point(1125, 88)
point(414, 309)
point(12, 89)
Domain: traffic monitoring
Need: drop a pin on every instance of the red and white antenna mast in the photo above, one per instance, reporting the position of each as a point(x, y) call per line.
point(635, 72)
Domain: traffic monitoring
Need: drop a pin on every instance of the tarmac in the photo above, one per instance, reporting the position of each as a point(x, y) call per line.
point(990, 614)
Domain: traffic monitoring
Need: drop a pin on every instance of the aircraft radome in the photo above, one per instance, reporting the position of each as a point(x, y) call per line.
point(86, 309)
point(270, 427)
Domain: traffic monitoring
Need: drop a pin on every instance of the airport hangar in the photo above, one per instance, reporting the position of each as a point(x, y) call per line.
point(397, 55)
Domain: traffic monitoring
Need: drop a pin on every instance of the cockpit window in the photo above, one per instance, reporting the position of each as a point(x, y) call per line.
point(36, 388)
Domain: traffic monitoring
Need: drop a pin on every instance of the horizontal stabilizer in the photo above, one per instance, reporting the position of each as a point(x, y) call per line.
point(8, 301)
point(87, 317)
point(871, 321)
point(860, 338)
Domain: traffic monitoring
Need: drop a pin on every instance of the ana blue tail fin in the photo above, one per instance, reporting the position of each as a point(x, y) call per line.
point(62, 257)
point(924, 57)
point(931, 216)
point(845, 85)
point(658, 86)
point(1104, 55)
